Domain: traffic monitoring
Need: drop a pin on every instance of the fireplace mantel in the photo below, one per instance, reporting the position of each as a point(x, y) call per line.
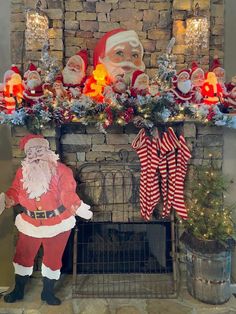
point(78, 144)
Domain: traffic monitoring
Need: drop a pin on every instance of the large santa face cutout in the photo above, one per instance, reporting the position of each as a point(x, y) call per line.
point(123, 58)
point(121, 52)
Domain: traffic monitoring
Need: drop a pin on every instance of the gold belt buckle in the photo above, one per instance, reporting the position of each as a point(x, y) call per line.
point(40, 214)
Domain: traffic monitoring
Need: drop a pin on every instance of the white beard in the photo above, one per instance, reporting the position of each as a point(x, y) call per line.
point(37, 175)
point(31, 84)
point(185, 86)
point(115, 69)
point(140, 86)
point(72, 77)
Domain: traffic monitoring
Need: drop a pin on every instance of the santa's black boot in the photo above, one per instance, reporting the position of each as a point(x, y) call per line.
point(48, 293)
point(18, 292)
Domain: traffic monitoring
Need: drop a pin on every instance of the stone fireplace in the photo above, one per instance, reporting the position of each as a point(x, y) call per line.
point(118, 246)
point(104, 164)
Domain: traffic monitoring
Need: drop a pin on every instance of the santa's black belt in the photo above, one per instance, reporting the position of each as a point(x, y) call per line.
point(44, 214)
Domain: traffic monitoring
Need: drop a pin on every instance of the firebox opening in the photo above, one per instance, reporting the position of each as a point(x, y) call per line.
point(123, 248)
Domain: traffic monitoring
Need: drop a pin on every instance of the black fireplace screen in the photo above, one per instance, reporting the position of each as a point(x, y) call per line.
point(117, 254)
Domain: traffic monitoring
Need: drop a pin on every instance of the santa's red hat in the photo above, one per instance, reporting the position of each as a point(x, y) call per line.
point(135, 75)
point(59, 78)
point(33, 140)
point(195, 67)
point(15, 69)
point(112, 38)
point(215, 64)
point(81, 55)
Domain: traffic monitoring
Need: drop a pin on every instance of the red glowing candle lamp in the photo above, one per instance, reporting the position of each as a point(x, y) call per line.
point(13, 92)
point(211, 90)
point(94, 86)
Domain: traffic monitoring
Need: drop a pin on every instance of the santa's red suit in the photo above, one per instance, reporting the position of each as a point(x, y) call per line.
point(33, 85)
point(49, 205)
point(31, 96)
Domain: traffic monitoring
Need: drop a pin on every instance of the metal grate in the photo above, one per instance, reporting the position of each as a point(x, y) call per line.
point(118, 254)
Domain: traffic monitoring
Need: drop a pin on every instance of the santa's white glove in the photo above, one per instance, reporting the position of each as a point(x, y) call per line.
point(83, 211)
point(2, 202)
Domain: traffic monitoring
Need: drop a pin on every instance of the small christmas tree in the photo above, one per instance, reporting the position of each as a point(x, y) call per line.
point(209, 218)
point(49, 65)
point(166, 68)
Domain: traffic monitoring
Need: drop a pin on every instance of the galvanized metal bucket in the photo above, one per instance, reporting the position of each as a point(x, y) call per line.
point(208, 276)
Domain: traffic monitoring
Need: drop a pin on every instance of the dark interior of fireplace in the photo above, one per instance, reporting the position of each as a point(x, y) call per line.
point(121, 248)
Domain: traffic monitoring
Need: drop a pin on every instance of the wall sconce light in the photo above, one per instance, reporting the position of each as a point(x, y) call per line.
point(197, 31)
point(37, 24)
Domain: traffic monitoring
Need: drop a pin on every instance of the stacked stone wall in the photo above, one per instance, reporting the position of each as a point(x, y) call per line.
point(76, 25)
point(78, 144)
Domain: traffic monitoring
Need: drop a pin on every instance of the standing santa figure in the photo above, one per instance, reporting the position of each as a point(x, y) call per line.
point(33, 85)
point(197, 78)
point(46, 190)
point(182, 90)
point(74, 73)
point(220, 73)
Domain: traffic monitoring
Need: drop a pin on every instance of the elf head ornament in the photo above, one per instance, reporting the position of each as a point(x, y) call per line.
point(75, 69)
point(120, 51)
point(197, 75)
point(218, 70)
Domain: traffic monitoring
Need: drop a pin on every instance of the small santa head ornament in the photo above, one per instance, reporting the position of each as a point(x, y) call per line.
point(182, 81)
point(32, 78)
point(197, 75)
point(119, 85)
point(218, 70)
point(120, 51)
point(75, 70)
point(39, 165)
point(140, 82)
